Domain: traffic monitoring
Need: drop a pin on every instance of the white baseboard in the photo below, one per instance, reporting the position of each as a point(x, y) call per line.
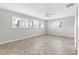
point(19, 39)
point(24, 38)
point(61, 35)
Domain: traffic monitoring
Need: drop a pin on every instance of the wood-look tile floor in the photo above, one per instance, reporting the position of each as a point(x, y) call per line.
point(40, 45)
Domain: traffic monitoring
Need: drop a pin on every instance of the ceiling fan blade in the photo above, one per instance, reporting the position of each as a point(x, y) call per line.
point(70, 5)
point(51, 13)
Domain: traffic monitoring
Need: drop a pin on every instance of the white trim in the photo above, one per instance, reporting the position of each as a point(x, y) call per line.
point(62, 35)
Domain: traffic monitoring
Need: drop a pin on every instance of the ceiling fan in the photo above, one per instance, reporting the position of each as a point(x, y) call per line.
point(70, 5)
point(48, 14)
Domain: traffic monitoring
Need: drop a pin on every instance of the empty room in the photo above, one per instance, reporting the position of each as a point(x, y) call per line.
point(37, 29)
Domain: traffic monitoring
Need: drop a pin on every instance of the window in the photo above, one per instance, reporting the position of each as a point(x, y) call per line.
point(35, 24)
point(30, 23)
point(57, 24)
point(60, 23)
point(42, 24)
point(27, 24)
point(24, 23)
point(38, 24)
point(16, 22)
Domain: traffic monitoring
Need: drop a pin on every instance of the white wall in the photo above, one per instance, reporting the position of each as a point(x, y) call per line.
point(67, 27)
point(78, 21)
point(7, 33)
